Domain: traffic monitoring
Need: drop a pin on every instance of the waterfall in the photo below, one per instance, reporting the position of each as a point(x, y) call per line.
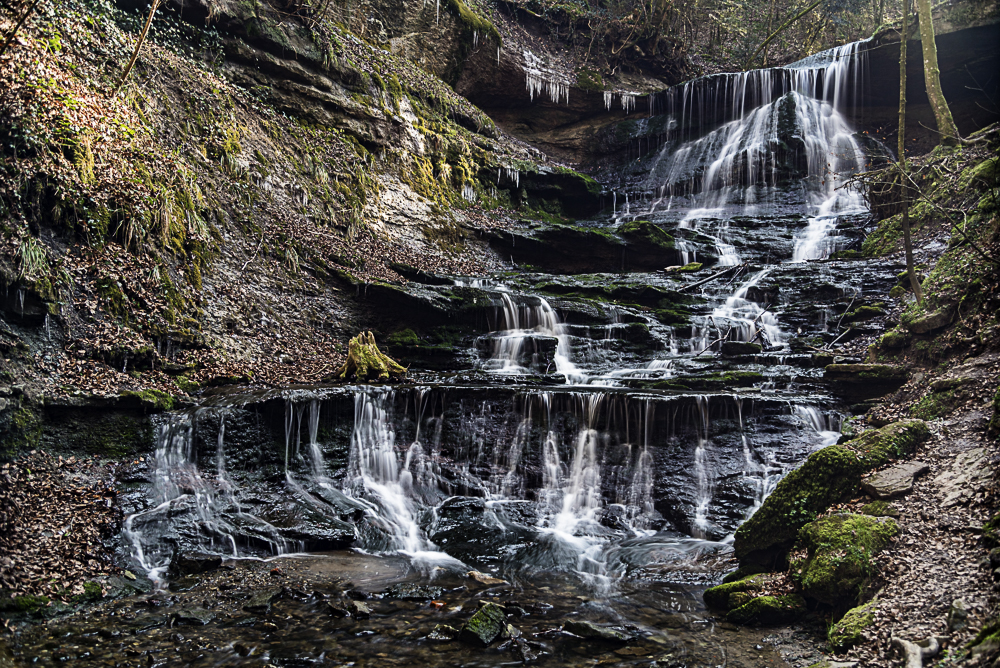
point(739, 319)
point(376, 478)
point(703, 474)
point(772, 120)
point(182, 500)
point(529, 322)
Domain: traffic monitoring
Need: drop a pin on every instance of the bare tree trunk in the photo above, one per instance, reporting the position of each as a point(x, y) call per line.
point(932, 77)
point(901, 148)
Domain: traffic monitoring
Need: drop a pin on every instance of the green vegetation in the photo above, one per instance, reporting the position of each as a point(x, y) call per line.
point(645, 232)
point(403, 338)
point(720, 596)
point(153, 400)
point(366, 362)
point(879, 509)
point(840, 551)
point(768, 610)
point(849, 631)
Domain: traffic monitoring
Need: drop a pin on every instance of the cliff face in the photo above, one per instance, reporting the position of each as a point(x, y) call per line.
point(214, 220)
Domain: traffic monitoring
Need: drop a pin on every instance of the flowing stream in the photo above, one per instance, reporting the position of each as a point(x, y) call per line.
point(581, 442)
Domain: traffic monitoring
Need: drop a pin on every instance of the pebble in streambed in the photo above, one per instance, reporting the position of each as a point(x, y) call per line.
point(326, 610)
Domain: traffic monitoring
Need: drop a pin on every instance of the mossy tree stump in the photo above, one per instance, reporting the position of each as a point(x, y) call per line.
point(366, 362)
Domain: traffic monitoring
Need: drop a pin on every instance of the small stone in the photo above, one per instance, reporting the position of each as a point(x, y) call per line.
point(129, 575)
point(592, 631)
point(359, 609)
point(958, 615)
point(484, 579)
point(443, 633)
point(261, 601)
point(193, 617)
point(336, 610)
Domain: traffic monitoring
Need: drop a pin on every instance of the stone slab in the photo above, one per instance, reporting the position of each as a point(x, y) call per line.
point(894, 481)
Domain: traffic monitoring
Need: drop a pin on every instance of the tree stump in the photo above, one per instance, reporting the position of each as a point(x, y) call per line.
point(366, 362)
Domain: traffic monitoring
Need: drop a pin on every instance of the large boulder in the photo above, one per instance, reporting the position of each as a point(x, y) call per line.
point(849, 630)
point(826, 477)
point(840, 550)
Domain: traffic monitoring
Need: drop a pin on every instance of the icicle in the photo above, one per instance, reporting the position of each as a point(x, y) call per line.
point(608, 99)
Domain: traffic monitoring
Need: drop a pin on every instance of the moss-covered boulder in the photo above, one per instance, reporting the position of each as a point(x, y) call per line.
point(827, 476)
point(840, 549)
point(877, 447)
point(646, 233)
point(849, 631)
point(768, 610)
point(879, 509)
point(720, 596)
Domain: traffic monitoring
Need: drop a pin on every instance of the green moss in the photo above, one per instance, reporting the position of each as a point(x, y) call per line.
point(589, 80)
point(474, 21)
point(849, 631)
point(366, 362)
point(897, 292)
point(934, 405)
point(92, 592)
point(719, 597)
point(155, 400)
point(405, 337)
point(645, 232)
point(742, 573)
point(20, 428)
point(186, 384)
point(879, 509)
point(838, 566)
point(877, 447)
point(826, 477)
point(863, 313)
point(22, 604)
point(691, 267)
point(883, 239)
point(768, 610)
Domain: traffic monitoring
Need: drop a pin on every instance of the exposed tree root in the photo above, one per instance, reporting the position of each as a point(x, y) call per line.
point(366, 362)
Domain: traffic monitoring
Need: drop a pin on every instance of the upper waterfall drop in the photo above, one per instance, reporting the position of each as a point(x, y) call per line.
point(739, 139)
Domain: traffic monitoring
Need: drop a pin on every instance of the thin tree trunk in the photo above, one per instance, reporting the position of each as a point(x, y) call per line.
point(932, 77)
point(901, 149)
point(138, 45)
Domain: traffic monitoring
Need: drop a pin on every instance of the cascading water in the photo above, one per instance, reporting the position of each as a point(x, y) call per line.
point(781, 129)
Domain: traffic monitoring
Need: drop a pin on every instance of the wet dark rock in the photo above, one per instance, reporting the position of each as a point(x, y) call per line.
point(260, 602)
point(337, 610)
point(184, 584)
point(958, 615)
point(525, 651)
point(737, 348)
point(192, 563)
point(409, 591)
point(894, 481)
point(592, 631)
point(485, 626)
point(194, 617)
point(865, 381)
point(359, 609)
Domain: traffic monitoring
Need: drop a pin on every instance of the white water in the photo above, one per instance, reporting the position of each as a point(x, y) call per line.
point(735, 168)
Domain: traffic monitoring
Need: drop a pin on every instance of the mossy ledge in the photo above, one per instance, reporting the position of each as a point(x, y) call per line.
point(827, 476)
point(849, 631)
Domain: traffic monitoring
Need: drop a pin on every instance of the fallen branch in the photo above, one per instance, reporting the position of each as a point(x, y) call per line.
point(711, 278)
point(138, 45)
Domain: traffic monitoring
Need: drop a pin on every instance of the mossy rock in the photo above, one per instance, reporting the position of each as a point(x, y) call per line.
point(152, 400)
point(863, 313)
point(485, 626)
point(768, 610)
point(895, 339)
point(721, 597)
point(826, 477)
point(645, 232)
point(877, 447)
point(738, 348)
point(839, 563)
point(849, 631)
point(935, 405)
point(20, 426)
point(880, 509)
point(743, 572)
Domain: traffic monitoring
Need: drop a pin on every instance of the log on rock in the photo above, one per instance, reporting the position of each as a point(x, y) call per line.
point(366, 362)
